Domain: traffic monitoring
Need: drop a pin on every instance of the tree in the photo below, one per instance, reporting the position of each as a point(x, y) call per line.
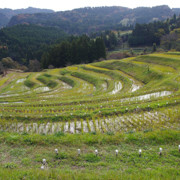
point(100, 48)
point(112, 40)
point(45, 60)
point(34, 66)
point(145, 50)
point(131, 52)
point(154, 47)
point(1, 68)
point(169, 41)
point(8, 63)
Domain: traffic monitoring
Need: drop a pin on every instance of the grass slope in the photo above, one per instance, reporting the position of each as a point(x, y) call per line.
point(25, 152)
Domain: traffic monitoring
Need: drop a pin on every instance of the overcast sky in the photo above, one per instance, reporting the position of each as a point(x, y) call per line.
point(61, 5)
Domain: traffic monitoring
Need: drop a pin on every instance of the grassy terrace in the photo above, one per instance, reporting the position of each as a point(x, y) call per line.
point(127, 105)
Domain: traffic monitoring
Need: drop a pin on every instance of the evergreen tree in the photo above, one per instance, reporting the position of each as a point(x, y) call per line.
point(154, 47)
point(100, 48)
point(75, 51)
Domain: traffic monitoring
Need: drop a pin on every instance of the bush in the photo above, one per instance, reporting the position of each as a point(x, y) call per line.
point(8, 63)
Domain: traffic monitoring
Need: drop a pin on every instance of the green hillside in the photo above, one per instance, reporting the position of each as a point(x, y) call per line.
point(27, 42)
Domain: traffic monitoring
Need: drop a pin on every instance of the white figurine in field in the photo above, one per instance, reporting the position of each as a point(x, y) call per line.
point(79, 152)
point(140, 152)
point(56, 151)
point(96, 152)
point(116, 151)
point(44, 161)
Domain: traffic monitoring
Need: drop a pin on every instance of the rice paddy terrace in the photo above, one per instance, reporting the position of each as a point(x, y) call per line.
point(134, 94)
point(105, 120)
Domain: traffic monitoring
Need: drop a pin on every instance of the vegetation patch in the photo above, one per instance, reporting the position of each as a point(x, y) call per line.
point(29, 83)
point(45, 79)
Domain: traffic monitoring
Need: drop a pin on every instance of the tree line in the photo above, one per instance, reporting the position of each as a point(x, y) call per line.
point(76, 50)
point(147, 34)
point(154, 32)
point(30, 44)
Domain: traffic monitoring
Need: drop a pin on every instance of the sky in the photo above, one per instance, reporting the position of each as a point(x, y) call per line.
point(62, 5)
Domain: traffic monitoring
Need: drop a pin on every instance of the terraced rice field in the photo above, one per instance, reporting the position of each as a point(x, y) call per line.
point(117, 108)
point(134, 94)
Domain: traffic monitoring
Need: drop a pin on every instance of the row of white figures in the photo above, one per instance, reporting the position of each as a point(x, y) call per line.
point(44, 162)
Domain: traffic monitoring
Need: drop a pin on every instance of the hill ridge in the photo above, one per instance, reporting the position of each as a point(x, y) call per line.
point(87, 20)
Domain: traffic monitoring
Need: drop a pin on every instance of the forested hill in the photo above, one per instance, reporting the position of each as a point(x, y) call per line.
point(3, 20)
point(176, 11)
point(7, 14)
point(25, 42)
point(86, 20)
